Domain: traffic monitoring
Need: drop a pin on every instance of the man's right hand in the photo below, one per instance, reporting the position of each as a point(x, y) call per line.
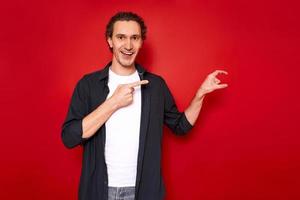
point(123, 95)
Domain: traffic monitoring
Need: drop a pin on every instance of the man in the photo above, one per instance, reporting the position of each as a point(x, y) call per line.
point(117, 115)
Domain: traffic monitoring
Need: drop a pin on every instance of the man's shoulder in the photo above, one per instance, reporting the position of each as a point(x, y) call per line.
point(92, 76)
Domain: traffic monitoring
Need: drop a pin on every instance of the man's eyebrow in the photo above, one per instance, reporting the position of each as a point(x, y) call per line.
point(136, 35)
point(120, 34)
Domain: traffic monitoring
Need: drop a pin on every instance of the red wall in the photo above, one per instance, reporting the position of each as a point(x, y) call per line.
point(245, 144)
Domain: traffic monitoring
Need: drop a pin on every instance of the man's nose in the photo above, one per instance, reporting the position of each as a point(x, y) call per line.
point(128, 44)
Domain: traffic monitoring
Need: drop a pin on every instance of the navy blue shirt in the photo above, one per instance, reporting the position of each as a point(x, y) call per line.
point(158, 108)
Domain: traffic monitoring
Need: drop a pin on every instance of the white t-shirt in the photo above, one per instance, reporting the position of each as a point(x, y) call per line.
point(122, 135)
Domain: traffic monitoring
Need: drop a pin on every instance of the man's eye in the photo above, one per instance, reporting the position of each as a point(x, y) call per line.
point(121, 37)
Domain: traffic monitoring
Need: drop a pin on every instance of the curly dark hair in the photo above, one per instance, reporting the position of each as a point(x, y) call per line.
point(125, 16)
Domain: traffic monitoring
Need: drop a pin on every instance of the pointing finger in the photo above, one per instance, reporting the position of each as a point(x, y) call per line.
point(138, 83)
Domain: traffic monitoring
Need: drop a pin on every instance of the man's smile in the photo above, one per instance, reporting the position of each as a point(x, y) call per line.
point(127, 53)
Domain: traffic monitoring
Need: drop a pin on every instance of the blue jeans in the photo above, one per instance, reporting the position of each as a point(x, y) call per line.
point(121, 193)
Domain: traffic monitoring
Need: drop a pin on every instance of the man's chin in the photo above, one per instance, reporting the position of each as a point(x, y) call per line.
point(127, 64)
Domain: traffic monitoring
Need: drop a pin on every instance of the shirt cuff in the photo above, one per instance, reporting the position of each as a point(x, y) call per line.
point(186, 125)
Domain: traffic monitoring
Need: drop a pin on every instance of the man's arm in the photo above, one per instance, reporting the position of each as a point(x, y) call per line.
point(93, 121)
point(122, 97)
point(210, 84)
point(80, 125)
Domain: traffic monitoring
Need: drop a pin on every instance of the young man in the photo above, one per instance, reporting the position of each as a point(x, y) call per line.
point(117, 115)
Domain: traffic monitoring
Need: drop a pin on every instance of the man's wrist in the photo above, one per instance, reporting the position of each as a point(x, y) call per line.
point(112, 103)
point(200, 95)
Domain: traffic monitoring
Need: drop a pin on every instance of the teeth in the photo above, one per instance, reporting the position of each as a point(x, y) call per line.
point(127, 53)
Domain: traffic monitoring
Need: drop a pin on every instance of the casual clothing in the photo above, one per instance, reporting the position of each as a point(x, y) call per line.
point(158, 108)
point(122, 135)
point(121, 193)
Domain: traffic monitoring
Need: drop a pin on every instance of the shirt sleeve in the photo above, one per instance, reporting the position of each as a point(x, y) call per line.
point(72, 127)
point(174, 119)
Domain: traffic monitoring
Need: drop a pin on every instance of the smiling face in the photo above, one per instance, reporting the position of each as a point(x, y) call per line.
point(125, 42)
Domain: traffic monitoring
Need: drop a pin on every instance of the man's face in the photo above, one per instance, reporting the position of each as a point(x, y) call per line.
point(126, 42)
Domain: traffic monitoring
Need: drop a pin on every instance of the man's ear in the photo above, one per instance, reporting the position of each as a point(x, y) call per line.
point(109, 41)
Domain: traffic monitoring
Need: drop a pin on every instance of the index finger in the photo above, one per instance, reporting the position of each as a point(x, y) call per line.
point(216, 72)
point(138, 83)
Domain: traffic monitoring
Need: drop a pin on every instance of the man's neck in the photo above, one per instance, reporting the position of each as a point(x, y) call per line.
point(121, 70)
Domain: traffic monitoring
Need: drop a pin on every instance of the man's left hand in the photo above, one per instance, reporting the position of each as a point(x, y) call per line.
point(211, 83)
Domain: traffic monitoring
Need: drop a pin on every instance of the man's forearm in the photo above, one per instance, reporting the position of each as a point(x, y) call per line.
point(93, 121)
point(210, 84)
point(192, 112)
point(122, 96)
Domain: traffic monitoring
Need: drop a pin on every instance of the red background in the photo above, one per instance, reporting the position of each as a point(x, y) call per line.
point(245, 144)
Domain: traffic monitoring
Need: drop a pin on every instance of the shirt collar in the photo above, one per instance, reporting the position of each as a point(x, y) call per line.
point(104, 74)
